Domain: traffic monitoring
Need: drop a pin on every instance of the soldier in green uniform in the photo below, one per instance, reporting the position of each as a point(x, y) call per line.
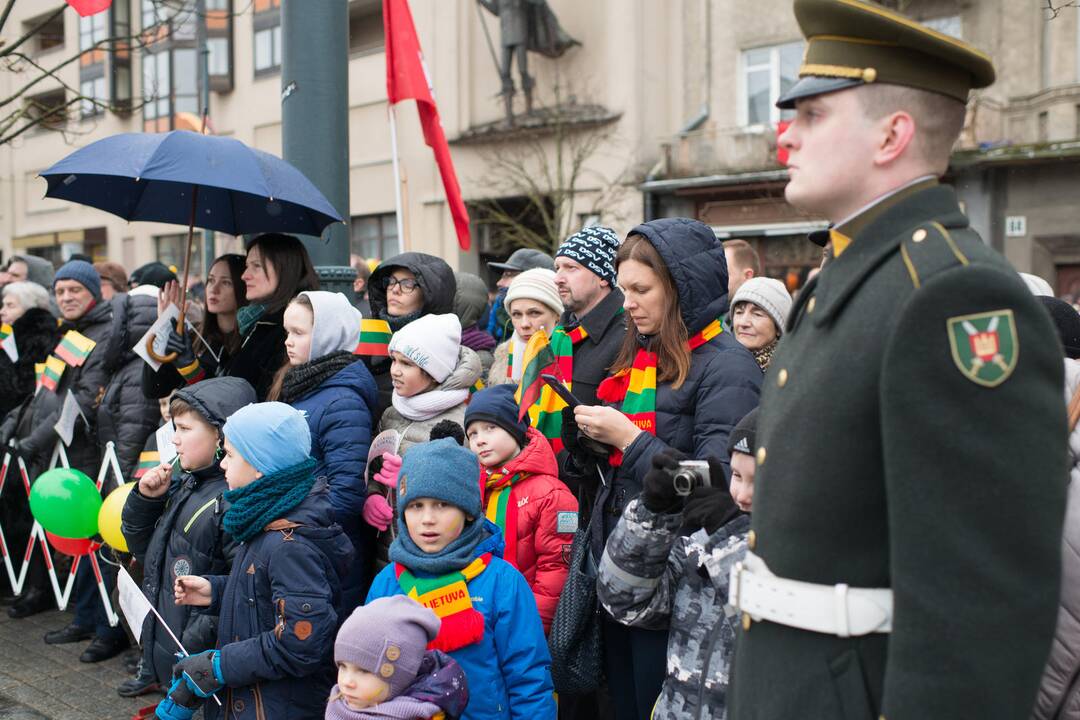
point(912, 440)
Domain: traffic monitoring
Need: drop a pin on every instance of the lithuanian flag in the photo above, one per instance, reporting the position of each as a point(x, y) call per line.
point(374, 338)
point(54, 368)
point(5, 331)
point(538, 359)
point(148, 460)
point(74, 348)
point(39, 375)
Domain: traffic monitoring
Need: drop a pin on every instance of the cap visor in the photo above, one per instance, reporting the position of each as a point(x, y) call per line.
point(504, 267)
point(813, 85)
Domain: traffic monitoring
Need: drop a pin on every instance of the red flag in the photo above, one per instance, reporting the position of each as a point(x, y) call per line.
point(407, 77)
point(781, 152)
point(89, 7)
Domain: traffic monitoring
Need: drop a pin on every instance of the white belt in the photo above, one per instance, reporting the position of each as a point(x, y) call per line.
point(830, 609)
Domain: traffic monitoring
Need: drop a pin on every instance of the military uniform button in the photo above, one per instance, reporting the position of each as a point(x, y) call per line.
point(919, 235)
point(781, 377)
point(761, 456)
point(810, 305)
point(746, 622)
point(751, 540)
point(869, 75)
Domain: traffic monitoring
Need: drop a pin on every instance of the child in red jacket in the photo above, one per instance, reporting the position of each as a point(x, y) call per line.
point(523, 494)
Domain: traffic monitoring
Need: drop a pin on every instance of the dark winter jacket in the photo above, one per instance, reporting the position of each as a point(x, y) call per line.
point(339, 410)
point(593, 356)
point(436, 281)
point(724, 381)
point(278, 612)
point(126, 416)
point(159, 383)
point(33, 423)
point(651, 576)
point(36, 335)
point(38, 270)
point(261, 354)
point(547, 515)
point(181, 533)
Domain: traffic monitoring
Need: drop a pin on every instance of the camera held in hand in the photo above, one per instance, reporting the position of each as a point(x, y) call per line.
point(691, 474)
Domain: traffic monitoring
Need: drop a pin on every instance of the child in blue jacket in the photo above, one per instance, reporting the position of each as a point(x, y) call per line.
point(279, 605)
point(447, 557)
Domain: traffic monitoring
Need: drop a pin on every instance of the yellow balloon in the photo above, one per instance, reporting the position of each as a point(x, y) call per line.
point(109, 517)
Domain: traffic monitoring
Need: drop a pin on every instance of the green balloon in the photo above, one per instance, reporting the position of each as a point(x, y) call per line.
point(66, 503)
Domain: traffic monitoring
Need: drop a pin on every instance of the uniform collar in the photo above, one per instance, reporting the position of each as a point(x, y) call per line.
point(842, 233)
point(880, 237)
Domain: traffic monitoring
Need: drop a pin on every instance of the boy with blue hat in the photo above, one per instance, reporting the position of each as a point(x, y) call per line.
point(448, 557)
point(280, 604)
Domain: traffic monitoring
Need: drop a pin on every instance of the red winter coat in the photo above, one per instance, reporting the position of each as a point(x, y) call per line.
point(546, 522)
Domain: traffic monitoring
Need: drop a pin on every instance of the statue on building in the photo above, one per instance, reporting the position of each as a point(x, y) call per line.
point(524, 26)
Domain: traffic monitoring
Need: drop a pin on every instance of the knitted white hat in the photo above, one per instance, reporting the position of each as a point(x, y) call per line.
point(537, 284)
point(431, 342)
point(768, 294)
point(336, 324)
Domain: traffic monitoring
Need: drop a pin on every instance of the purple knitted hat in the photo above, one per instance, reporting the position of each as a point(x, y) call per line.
point(388, 637)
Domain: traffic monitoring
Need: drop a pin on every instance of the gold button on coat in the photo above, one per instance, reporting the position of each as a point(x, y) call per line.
point(751, 540)
point(761, 456)
point(919, 235)
point(746, 621)
point(781, 377)
point(810, 305)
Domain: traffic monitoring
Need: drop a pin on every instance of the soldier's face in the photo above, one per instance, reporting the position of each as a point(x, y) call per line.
point(831, 147)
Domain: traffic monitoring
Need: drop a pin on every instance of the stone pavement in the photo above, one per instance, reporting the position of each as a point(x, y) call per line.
point(48, 681)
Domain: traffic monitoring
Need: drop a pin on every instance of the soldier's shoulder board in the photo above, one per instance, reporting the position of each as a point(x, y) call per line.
point(929, 249)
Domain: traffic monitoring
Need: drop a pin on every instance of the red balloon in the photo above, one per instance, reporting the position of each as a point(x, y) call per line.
point(75, 547)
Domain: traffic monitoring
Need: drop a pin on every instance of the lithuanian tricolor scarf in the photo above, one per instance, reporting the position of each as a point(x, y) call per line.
point(635, 388)
point(374, 338)
point(448, 597)
point(74, 348)
point(546, 413)
point(5, 330)
point(148, 460)
point(502, 509)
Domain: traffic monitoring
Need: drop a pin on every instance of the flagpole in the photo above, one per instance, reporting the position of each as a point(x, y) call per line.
point(397, 174)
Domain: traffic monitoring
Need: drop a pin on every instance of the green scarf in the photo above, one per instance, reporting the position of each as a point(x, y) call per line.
point(247, 316)
point(255, 506)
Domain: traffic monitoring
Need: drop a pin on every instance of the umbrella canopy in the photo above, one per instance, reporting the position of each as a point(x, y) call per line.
point(150, 177)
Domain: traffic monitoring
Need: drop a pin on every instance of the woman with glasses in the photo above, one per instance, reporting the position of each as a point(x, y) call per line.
point(402, 289)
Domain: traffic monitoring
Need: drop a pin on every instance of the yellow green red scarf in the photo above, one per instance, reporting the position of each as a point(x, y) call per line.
point(448, 597)
point(502, 509)
point(635, 387)
point(546, 413)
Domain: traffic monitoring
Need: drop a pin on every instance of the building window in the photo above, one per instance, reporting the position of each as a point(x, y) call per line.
point(366, 26)
point(170, 251)
point(50, 35)
point(374, 236)
point(48, 110)
point(120, 61)
point(267, 24)
point(948, 25)
point(1044, 126)
point(92, 30)
point(767, 73)
point(94, 97)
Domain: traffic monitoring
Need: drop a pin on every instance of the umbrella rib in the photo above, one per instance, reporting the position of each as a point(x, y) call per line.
point(142, 191)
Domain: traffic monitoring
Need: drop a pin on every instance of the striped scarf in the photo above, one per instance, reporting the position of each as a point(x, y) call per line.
point(448, 597)
point(635, 387)
point(546, 413)
point(502, 509)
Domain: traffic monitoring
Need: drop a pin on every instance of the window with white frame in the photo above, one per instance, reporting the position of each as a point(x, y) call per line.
point(767, 73)
point(94, 95)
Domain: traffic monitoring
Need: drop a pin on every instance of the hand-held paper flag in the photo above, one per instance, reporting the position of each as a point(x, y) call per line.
point(407, 77)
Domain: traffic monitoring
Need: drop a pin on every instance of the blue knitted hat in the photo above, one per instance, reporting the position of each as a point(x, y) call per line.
point(271, 436)
point(443, 470)
point(496, 405)
point(81, 272)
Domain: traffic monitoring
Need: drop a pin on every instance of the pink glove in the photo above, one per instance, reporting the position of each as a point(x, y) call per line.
point(377, 512)
point(391, 466)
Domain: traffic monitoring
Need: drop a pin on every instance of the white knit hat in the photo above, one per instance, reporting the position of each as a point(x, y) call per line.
point(768, 294)
point(336, 323)
point(432, 343)
point(537, 284)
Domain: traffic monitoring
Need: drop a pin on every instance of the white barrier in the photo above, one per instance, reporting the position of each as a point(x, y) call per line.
point(37, 533)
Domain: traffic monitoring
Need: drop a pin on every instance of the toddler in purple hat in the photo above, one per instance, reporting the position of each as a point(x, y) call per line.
point(386, 671)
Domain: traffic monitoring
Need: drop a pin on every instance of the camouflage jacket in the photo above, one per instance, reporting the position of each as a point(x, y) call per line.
point(653, 577)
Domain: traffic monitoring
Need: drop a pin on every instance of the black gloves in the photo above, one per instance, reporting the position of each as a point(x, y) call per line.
point(710, 507)
point(180, 344)
point(658, 488)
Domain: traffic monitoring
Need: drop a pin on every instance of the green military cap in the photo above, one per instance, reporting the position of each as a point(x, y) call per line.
point(851, 43)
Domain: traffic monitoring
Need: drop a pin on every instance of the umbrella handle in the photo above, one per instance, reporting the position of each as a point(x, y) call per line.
point(166, 358)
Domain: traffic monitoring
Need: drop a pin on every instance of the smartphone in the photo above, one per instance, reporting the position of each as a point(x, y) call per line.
point(559, 389)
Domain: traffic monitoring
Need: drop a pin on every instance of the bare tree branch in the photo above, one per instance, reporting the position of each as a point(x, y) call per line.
point(1053, 9)
point(8, 49)
point(7, 11)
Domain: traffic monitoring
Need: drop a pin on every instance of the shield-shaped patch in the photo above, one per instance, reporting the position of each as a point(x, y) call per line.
point(985, 346)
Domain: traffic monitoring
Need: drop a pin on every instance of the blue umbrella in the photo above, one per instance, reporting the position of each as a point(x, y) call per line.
point(150, 177)
point(187, 178)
